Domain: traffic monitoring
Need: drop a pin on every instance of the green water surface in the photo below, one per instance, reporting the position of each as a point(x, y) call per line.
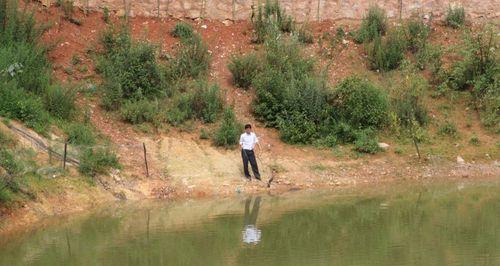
point(452, 224)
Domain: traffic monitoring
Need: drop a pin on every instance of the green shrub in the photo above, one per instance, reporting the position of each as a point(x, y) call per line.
point(191, 61)
point(417, 33)
point(374, 24)
point(366, 142)
point(132, 65)
point(60, 102)
point(9, 163)
point(17, 104)
point(408, 103)
point(270, 20)
point(387, 53)
point(183, 30)
point(244, 68)
point(105, 15)
point(80, 134)
point(429, 57)
point(94, 161)
point(448, 128)
point(26, 64)
point(229, 130)
point(474, 140)
point(360, 103)
point(204, 134)
point(297, 129)
point(345, 133)
point(207, 102)
point(305, 35)
point(455, 17)
point(140, 111)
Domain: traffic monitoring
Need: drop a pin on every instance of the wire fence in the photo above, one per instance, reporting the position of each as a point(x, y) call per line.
point(64, 153)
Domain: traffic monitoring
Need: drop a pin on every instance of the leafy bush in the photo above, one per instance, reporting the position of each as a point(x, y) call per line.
point(26, 64)
point(207, 102)
point(182, 109)
point(244, 68)
point(97, 161)
point(204, 134)
point(297, 129)
point(132, 65)
point(429, 57)
point(360, 103)
point(374, 24)
point(60, 102)
point(408, 103)
point(455, 17)
point(17, 104)
point(191, 61)
point(140, 111)
point(387, 53)
point(228, 132)
point(416, 32)
point(183, 30)
point(80, 134)
point(270, 20)
point(366, 142)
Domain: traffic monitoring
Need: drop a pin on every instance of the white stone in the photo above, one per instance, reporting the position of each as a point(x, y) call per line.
point(460, 160)
point(384, 146)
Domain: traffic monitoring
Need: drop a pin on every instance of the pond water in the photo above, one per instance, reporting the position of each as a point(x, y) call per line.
point(451, 224)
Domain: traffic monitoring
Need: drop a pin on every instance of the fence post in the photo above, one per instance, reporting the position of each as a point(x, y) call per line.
point(145, 159)
point(317, 12)
point(65, 154)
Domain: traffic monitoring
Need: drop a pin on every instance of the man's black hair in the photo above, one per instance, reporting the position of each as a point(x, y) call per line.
point(248, 126)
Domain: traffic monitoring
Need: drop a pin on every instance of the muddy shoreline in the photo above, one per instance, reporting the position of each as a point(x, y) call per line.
point(35, 215)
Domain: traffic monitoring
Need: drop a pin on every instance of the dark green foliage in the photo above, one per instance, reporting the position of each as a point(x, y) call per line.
point(191, 61)
point(387, 53)
point(360, 103)
point(132, 65)
point(140, 111)
point(207, 102)
point(60, 102)
point(244, 68)
point(183, 30)
point(15, 103)
point(297, 129)
point(229, 130)
point(80, 134)
point(270, 20)
point(182, 109)
point(366, 142)
point(94, 161)
point(374, 24)
point(455, 17)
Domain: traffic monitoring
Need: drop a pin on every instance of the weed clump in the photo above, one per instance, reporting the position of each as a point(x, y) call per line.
point(387, 53)
point(374, 24)
point(183, 30)
point(455, 17)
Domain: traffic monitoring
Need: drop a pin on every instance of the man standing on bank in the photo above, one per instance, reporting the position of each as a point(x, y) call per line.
point(247, 143)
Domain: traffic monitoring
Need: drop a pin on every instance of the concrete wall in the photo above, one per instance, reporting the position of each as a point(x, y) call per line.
point(302, 10)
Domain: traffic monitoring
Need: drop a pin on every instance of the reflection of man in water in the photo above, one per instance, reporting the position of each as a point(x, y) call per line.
point(251, 235)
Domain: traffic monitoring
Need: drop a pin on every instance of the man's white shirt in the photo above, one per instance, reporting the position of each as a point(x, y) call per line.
point(248, 141)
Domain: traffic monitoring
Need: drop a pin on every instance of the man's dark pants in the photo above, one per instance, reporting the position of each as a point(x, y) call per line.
point(249, 156)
